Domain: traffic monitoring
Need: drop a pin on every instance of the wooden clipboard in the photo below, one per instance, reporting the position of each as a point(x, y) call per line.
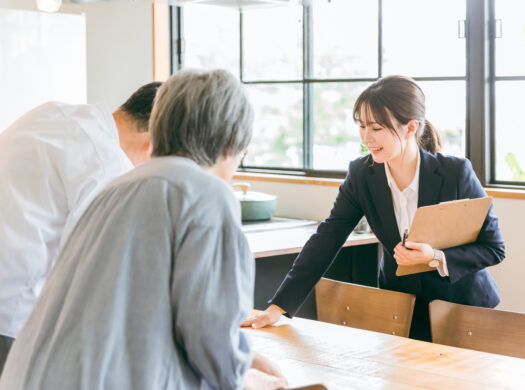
point(446, 225)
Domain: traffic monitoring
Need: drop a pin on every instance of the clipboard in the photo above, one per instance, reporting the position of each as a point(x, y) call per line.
point(445, 225)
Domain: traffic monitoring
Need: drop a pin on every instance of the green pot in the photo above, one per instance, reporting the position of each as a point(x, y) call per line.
point(256, 206)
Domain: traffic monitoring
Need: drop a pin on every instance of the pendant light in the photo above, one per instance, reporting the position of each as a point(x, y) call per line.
point(48, 5)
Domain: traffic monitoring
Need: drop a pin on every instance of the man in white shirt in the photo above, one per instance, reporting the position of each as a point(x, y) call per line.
point(53, 161)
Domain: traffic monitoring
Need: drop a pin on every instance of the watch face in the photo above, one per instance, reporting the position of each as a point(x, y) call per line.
point(434, 263)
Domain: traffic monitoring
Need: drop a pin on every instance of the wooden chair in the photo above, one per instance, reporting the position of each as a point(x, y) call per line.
point(364, 307)
point(479, 328)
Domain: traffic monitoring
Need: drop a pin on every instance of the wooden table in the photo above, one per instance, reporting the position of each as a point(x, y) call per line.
point(347, 358)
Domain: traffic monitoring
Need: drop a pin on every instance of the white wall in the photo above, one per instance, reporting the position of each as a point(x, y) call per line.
point(119, 46)
point(314, 202)
point(38, 62)
point(511, 272)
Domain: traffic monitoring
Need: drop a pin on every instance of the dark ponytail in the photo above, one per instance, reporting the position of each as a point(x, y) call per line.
point(429, 138)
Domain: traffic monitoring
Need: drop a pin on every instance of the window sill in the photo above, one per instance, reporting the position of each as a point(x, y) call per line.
point(319, 181)
point(505, 193)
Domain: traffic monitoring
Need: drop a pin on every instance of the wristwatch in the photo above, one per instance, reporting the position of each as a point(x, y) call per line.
point(434, 263)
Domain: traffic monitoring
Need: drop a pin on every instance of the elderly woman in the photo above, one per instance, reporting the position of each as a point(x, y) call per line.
point(152, 285)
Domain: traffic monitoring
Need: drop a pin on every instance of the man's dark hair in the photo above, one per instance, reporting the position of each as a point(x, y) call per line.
point(138, 106)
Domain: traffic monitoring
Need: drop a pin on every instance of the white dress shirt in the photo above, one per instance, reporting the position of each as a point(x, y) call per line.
point(405, 206)
point(53, 161)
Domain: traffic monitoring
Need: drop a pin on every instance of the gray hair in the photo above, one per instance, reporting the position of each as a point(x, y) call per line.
point(202, 115)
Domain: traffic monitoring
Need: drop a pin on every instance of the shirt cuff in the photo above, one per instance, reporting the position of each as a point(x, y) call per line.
point(442, 267)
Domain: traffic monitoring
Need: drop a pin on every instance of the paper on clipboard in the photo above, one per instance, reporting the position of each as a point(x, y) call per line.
point(445, 225)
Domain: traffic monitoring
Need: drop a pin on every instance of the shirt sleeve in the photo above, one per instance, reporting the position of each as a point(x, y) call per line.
point(212, 292)
point(442, 267)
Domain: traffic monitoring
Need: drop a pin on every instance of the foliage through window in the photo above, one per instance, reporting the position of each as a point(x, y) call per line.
point(304, 66)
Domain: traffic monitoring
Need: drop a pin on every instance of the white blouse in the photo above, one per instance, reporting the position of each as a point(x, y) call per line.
point(405, 206)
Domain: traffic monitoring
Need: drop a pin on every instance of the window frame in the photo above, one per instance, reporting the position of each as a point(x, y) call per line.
point(479, 77)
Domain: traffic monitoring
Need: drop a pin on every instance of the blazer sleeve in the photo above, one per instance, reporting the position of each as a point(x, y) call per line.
point(489, 248)
point(321, 249)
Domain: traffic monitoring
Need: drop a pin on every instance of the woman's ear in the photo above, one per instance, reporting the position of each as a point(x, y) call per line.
point(412, 127)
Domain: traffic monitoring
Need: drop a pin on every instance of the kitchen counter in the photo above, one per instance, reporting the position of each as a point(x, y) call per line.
point(276, 243)
point(288, 236)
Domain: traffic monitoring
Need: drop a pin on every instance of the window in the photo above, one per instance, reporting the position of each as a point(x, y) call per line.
point(509, 96)
point(211, 38)
point(304, 66)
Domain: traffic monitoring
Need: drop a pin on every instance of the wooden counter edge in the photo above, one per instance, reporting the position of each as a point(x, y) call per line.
point(287, 251)
point(319, 181)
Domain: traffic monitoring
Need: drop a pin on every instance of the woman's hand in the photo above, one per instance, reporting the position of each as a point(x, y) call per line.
point(258, 380)
point(265, 365)
point(268, 317)
point(413, 253)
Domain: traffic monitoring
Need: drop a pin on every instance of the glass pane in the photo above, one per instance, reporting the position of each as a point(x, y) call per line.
point(510, 48)
point(337, 141)
point(278, 128)
point(420, 38)
point(211, 37)
point(336, 137)
point(336, 54)
point(446, 110)
point(272, 43)
point(510, 131)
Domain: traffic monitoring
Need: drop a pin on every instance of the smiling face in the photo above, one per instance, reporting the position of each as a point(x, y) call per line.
point(391, 115)
point(384, 144)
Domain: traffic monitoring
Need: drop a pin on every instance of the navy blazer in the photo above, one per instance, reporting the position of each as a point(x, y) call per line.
point(365, 191)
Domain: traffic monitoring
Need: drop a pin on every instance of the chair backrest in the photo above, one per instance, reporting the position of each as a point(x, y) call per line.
point(478, 328)
point(364, 307)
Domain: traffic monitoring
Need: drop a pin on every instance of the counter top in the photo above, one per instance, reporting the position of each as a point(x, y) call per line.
point(346, 358)
point(291, 240)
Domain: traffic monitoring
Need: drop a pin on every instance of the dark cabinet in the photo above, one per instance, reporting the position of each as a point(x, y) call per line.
point(355, 264)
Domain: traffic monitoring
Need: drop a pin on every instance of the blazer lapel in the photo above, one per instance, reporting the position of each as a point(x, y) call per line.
point(382, 202)
point(430, 180)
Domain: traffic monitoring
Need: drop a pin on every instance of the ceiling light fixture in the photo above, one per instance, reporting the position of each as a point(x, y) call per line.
point(48, 5)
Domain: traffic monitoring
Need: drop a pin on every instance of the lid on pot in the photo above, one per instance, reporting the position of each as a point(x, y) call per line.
point(253, 196)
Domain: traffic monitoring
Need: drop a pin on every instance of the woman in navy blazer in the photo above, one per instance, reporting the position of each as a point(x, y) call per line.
point(391, 114)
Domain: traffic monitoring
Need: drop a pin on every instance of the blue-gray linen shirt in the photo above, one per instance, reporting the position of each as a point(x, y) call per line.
point(148, 292)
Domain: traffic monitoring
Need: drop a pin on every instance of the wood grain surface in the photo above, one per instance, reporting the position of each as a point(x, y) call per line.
point(478, 328)
point(346, 358)
point(364, 307)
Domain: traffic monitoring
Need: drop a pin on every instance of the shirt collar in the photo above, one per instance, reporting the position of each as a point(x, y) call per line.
point(414, 185)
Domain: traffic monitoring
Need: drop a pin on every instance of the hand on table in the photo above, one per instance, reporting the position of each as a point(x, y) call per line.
point(258, 380)
point(268, 317)
point(265, 365)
